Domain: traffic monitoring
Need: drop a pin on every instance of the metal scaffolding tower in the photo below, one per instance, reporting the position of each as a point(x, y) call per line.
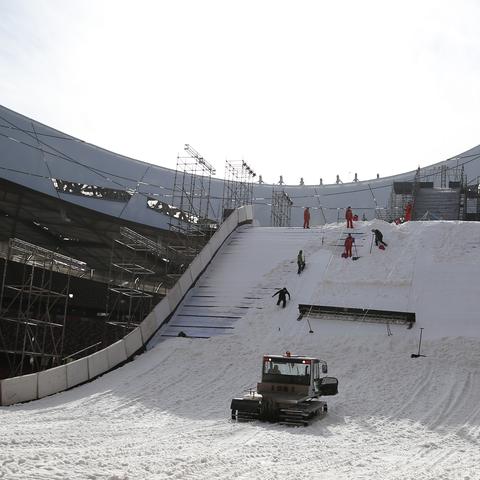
point(237, 186)
point(34, 306)
point(441, 177)
point(191, 194)
point(192, 218)
point(136, 267)
point(281, 208)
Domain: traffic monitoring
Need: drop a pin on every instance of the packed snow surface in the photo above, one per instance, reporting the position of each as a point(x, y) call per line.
point(166, 414)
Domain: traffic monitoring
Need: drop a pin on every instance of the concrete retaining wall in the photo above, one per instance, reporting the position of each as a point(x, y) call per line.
point(52, 381)
point(20, 389)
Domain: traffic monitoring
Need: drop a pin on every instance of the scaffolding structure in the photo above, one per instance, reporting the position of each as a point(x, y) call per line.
point(438, 177)
point(472, 201)
point(191, 194)
point(281, 208)
point(136, 266)
point(237, 186)
point(34, 306)
point(401, 194)
point(192, 218)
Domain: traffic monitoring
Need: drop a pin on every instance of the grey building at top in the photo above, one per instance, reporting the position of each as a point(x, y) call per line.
point(50, 162)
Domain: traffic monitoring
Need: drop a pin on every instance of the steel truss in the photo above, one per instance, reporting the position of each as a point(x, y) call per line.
point(191, 194)
point(136, 267)
point(281, 208)
point(237, 186)
point(192, 218)
point(442, 177)
point(33, 308)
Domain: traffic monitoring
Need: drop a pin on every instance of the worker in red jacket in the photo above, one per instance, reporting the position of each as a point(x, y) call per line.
point(349, 217)
point(306, 218)
point(408, 212)
point(348, 245)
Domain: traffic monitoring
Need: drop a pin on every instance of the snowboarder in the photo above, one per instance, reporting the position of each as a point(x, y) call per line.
point(379, 238)
point(349, 217)
point(300, 261)
point(282, 296)
point(306, 218)
point(349, 241)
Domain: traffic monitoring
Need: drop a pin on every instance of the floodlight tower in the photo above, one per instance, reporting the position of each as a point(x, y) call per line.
point(237, 186)
point(191, 192)
point(194, 154)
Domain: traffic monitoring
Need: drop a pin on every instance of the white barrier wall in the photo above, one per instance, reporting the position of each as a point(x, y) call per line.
point(20, 389)
point(133, 342)
point(174, 296)
point(150, 324)
point(116, 354)
point(242, 215)
point(97, 363)
point(77, 372)
point(197, 266)
point(185, 282)
point(54, 380)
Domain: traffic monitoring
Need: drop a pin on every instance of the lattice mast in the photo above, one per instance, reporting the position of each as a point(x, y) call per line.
point(191, 193)
point(34, 306)
point(237, 186)
point(281, 208)
point(136, 268)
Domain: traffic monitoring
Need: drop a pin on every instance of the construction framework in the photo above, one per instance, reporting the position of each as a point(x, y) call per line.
point(281, 208)
point(440, 177)
point(191, 194)
point(192, 218)
point(34, 306)
point(237, 186)
point(136, 269)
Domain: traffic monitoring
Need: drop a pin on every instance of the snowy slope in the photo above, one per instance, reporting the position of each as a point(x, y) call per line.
point(166, 415)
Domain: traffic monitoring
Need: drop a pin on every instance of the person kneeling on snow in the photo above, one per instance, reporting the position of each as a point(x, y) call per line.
point(379, 238)
point(282, 296)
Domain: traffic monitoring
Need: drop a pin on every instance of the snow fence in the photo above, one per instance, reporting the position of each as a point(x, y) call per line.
point(54, 380)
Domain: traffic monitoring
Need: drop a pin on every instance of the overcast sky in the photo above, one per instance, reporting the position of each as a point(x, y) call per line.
point(299, 88)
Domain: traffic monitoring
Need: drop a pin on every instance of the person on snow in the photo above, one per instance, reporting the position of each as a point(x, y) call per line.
point(306, 218)
point(349, 217)
point(379, 238)
point(349, 241)
point(408, 212)
point(282, 296)
point(300, 261)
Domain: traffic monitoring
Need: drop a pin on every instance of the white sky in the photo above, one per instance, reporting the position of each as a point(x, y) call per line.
point(299, 88)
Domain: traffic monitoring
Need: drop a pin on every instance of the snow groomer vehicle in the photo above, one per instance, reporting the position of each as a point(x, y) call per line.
point(289, 392)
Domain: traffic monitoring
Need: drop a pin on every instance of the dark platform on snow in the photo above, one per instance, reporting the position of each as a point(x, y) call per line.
point(356, 314)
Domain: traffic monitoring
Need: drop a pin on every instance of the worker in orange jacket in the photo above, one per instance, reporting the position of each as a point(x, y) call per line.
point(306, 218)
point(349, 217)
point(349, 241)
point(408, 212)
